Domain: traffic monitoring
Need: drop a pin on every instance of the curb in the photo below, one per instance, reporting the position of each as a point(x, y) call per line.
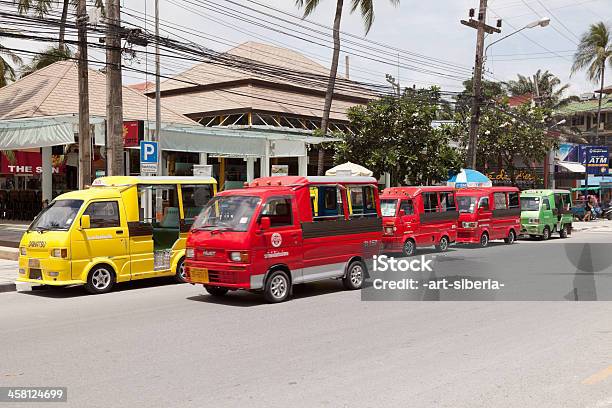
point(7, 287)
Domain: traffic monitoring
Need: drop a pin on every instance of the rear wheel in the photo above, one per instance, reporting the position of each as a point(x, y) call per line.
point(409, 247)
point(546, 234)
point(563, 232)
point(216, 291)
point(443, 244)
point(484, 240)
point(511, 237)
point(354, 276)
point(180, 275)
point(100, 280)
point(277, 287)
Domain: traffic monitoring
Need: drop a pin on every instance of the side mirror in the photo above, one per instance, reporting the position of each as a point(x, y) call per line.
point(264, 223)
point(85, 222)
point(401, 213)
point(483, 208)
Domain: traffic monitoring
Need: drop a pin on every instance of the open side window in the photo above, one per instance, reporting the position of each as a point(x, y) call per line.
point(103, 214)
point(361, 201)
point(279, 210)
point(326, 203)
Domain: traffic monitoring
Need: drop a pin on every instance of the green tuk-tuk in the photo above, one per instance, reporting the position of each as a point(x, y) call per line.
point(544, 212)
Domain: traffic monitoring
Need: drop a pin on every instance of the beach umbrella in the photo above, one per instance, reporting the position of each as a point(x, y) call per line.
point(355, 169)
point(469, 178)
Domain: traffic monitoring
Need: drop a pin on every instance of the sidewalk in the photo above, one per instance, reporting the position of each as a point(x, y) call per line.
point(8, 274)
point(599, 225)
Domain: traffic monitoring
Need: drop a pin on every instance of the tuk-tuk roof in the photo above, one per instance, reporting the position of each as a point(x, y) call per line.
point(413, 191)
point(544, 192)
point(295, 181)
point(485, 190)
point(91, 193)
point(123, 181)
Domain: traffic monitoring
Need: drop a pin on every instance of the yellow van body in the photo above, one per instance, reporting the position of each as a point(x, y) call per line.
point(105, 228)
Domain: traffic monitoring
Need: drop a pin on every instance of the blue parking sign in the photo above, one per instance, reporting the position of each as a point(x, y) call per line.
point(149, 157)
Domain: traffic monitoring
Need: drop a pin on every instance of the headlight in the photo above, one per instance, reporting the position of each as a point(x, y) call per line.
point(239, 256)
point(190, 253)
point(469, 224)
point(534, 220)
point(59, 253)
point(389, 230)
point(22, 251)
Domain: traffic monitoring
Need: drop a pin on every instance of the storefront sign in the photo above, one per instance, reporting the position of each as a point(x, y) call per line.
point(523, 178)
point(596, 158)
point(133, 132)
point(19, 162)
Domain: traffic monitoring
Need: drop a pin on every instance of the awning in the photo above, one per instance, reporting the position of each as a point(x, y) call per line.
point(572, 167)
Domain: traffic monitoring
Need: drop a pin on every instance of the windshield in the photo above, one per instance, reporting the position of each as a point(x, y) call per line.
point(530, 203)
point(387, 207)
point(466, 204)
point(59, 215)
point(227, 213)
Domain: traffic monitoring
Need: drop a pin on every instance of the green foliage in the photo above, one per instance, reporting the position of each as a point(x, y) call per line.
point(365, 7)
point(7, 71)
point(508, 137)
point(549, 86)
point(594, 51)
point(395, 135)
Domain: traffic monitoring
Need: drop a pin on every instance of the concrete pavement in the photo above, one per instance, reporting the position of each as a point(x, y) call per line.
point(156, 344)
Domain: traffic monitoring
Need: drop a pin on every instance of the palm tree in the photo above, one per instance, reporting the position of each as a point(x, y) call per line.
point(7, 72)
point(366, 8)
point(593, 52)
point(45, 58)
point(548, 85)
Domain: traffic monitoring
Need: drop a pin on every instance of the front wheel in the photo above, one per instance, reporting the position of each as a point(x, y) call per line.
point(180, 275)
point(277, 287)
point(511, 237)
point(443, 244)
point(563, 232)
point(408, 248)
point(484, 240)
point(354, 276)
point(546, 234)
point(100, 280)
point(216, 291)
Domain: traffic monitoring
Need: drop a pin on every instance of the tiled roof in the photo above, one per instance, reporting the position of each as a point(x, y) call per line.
point(606, 90)
point(586, 106)
point(53, 91)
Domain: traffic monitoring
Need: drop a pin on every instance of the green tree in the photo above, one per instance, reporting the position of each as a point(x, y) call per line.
point(491, 90)
point(366, 9)
point(7, 71)
point(549, 86)
point(47, 57)
point(593, 53)
point(508, 138)
point(395, 134)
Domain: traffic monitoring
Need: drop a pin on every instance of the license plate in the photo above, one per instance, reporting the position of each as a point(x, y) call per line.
point(34, 263)
point(36, 274)
point(198, 275)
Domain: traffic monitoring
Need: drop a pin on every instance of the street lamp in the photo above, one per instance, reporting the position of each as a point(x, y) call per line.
point(543, 22)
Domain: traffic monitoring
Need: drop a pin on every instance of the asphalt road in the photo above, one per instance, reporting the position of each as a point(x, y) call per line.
point(156, 344)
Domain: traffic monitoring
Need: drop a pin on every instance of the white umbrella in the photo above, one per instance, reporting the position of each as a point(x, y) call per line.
point(355, 169)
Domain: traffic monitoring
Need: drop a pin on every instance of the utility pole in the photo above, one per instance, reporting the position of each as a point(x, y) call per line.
point(157, 82)
point(84, 134)
point(480, 24)
point(346, 66)
point(114, 96)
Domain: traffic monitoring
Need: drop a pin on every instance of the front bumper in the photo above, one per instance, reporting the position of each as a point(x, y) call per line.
point(37, 271)
point(468, 235)
point(532, 229)
point(232, 276)
point(392, 243)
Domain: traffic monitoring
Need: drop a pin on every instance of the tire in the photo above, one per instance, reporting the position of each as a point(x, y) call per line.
point(409, 247)
point(484, 240)
point(216, 291)
point(179, 276)
point(278, 287)
point(511, 238)
point(355, 274)
point(545, 234)
point(443, 244)
point(563, 233)
point(609, 216)
point(101, 279)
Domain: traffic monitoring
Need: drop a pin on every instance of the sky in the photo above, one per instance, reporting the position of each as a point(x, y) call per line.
point(429, 28)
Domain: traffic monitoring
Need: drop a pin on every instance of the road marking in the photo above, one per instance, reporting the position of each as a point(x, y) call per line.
point(598, 376)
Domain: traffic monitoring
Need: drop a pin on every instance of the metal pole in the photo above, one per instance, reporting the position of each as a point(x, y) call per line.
point(84, 134)
point(157, 86)
point(477, 84)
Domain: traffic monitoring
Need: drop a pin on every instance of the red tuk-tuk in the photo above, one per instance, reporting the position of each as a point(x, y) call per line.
point(281, 231)
point(488, 213)
point(417, 217)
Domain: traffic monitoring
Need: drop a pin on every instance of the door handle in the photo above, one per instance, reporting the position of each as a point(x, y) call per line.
point(119, 232)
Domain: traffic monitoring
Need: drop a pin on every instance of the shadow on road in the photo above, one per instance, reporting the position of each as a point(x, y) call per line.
point(241, 298)
point(60, 292)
